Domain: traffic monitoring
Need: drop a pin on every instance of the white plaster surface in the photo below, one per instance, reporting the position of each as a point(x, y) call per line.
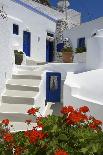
point(84, 30)
point(95, 51)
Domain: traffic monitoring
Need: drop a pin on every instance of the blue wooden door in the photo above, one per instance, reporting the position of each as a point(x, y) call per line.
point(53, 87)
point(26, 42)
point(49, 51)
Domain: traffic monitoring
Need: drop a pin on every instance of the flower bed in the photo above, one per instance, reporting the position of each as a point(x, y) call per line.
point(73, 133)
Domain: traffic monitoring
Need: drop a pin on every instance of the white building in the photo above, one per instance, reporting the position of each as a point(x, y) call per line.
point(28, 26)
point(80, 34)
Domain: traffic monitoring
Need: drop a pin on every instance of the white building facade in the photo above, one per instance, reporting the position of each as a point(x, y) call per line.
point(85, 30)
point(26, 29)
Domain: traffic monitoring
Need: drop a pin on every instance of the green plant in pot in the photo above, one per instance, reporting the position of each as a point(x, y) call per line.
point(67, 53)
point(18, 57)
point(80, 49)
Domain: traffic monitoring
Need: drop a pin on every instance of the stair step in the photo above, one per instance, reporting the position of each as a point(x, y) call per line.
point(25, 67)
point(19, 97)
point(21, 126)
point(15, 112)
point(31, 61)
point(27, 75)
point(23, 84)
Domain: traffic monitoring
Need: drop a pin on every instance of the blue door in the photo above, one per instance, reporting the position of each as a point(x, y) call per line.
point(26, 42)
point(53, 87)
point(49, 51)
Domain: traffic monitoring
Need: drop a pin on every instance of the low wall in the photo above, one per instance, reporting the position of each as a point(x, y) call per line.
point(63, 68)
point(85, 89)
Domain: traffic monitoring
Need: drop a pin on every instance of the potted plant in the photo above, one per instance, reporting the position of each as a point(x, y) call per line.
point(67, 53)
point(80, 54)
point(80, 49)
point(18, 57)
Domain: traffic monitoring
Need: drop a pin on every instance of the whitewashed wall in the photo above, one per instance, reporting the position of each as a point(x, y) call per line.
point(6, 62)
point(32, 22)
point(84, 30)
point(95, 51)
point(85, 89)
point(63, 68)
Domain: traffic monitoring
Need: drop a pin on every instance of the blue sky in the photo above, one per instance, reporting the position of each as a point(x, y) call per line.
point(90, 9)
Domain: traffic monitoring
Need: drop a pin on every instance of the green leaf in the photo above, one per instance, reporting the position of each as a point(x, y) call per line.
point(63, 137)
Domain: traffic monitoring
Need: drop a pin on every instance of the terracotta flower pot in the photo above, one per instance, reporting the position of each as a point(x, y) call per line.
point(67, 57)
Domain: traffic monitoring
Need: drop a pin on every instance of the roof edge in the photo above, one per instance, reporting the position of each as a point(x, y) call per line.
point(33, 9)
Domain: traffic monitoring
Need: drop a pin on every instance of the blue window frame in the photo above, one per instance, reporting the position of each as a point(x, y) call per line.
point(16, 29)
point(81, 42)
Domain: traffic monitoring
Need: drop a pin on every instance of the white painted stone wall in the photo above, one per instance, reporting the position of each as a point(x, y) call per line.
point(79, 57)
point(32, 22)
point(6, 62)
point(63, 68)
point(95, 51)
point(85, 89)
point(84, 30)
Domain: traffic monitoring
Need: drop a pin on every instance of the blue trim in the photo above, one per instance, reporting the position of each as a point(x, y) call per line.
point(34, 9)
point(26, 42)
point(53, 94)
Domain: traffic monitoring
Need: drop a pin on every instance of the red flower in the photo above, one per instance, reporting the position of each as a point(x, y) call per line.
point(97, 122)
point(35, 135)
point(76, 117)
point(32, 111)
point(92, 126)
point(84, 109)
point(66, 110)
point(8, 137)
point(28, 121)
point(60, 152)
point(5, 122)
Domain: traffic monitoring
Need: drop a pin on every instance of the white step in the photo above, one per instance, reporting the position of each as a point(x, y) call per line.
point(27, 75)
point(19, 97)
point(15, 112)
point(21, 126)
point(31, 61)
point(25, 67)
point(23, 84)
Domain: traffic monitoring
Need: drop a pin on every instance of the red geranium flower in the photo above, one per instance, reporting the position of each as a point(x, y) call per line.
point(60, 152)
point(97, 122)
point(8, 137)
point(32, 111)
point(5, 122)
point(92, 126)
point(76, 117)
point(34, 135)
point(84, 109)
point(66, 110)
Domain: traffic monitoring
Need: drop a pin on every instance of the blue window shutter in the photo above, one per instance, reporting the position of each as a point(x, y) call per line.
point(15, 29)
point(81, 42)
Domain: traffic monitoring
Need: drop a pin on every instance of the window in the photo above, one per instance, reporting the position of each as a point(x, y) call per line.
point(81, 42)
point(15, 29)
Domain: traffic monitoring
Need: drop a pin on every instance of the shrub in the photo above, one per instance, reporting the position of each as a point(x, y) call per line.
point(72, 133)
point(80, 49)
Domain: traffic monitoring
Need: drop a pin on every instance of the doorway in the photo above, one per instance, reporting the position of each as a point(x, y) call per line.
point(26, 42)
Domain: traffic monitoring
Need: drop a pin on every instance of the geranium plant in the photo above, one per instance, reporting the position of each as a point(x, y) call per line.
point(72, 133)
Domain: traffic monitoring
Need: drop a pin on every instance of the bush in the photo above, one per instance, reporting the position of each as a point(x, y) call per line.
point(72, 133)
point(80, 49)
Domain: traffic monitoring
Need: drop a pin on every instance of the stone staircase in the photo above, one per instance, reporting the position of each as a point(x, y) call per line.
point(19, 96)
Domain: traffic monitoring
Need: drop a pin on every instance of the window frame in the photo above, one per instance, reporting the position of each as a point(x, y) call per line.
point(15, 29)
